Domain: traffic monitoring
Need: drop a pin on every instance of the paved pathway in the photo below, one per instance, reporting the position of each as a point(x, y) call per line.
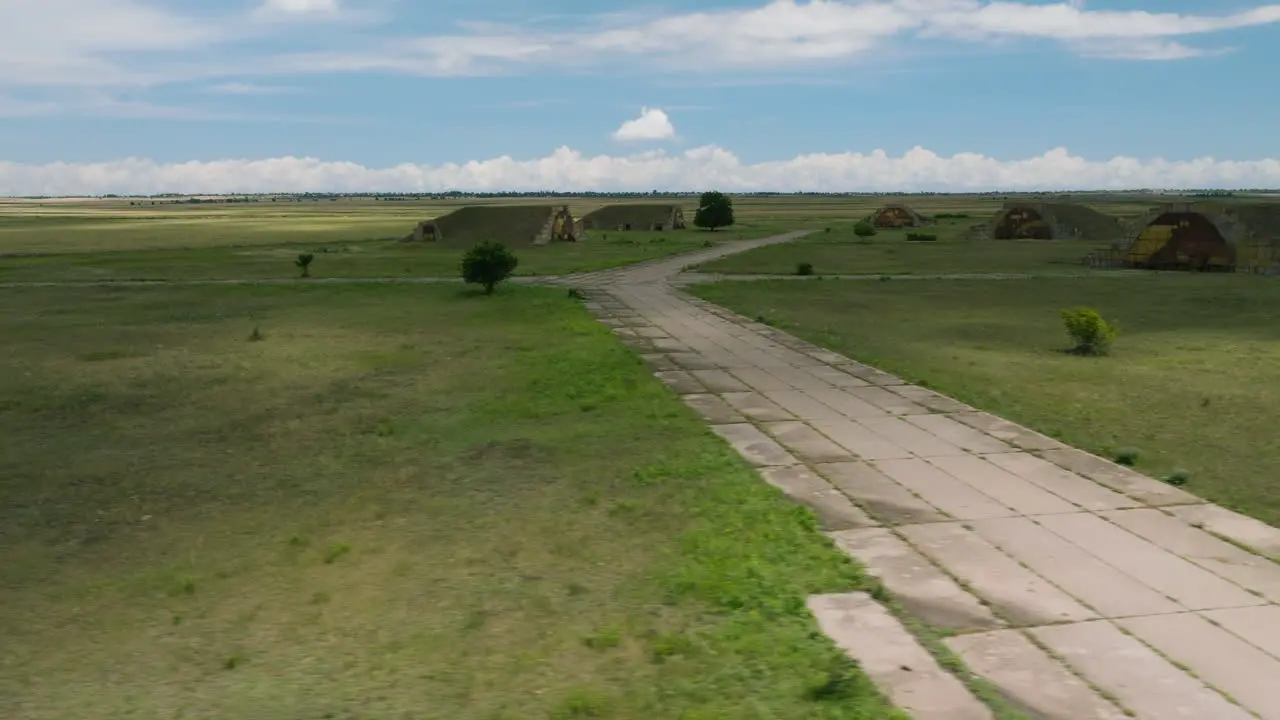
point(1081, 589)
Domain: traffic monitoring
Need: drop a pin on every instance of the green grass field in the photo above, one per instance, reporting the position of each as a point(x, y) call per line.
point(840, 252)
point(376, 259)
point(401, 501)
point(105, 241)
point(1193, 381)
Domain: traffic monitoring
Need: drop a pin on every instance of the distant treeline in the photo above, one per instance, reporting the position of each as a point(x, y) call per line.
point(458, 194)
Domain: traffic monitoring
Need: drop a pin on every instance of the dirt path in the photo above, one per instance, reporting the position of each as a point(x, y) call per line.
point(1081, 589)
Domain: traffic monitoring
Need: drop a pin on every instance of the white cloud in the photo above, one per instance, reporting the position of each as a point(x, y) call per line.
point(793, 32)
point(696, 169)
point(243, 88)
point(297, 8)
point(71, 42)
point(653, 124)
point(143, 43)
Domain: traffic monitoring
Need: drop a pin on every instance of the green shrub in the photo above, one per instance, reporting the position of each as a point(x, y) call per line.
point(304, 263)
point(864, 229)
point(1091, 334)
point(1179, 477)
point(921, 237)
point(488, 264)
point(1127, 456)
point(804, 268)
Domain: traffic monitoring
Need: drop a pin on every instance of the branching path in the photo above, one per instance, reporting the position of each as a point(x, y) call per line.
point(1081, 589)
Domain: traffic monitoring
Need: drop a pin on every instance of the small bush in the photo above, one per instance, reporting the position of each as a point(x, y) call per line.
point(256, 335)
point(1091, 334)
point(1179, 478)
point(604, 640)
point(336, 551)
point(304, 263)
point(576, 294)
point(864, 229)
point(1127, 456)
point(921, 237)
point(488, 264)
point(804, 268)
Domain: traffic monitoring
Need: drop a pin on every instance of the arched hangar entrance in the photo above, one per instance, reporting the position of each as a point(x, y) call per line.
point(1182, 240)
point(1022, 223)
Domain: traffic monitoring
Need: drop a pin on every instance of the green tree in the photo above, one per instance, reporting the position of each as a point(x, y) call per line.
point(864, 229)
point(715, 210)
point(304, 263)
point(488, 264)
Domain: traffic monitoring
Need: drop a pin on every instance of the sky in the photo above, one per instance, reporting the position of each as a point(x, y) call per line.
point(147, 96)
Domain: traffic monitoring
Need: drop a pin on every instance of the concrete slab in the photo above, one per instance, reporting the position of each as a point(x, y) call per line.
point(888, 501)
point(848, 405)
point(1250, 571)
point(757, 407)
point(650, 331)
point(680, 382)
point(1005, 488)
point(719, 381)
point(640, 345)
point(917, 584)
point(806, 442)
point(890, 402)
point(759, 379)
point(1063, 483)
point(893, 659)
point(1153, 566)
point(1030, 679)
point(833, 508)
point(1002, 429)
point(1217, 657)
point(1118, 478)
point(695, 362)
point(753, 445)
point(827, 356)
point(713, 409)
point(1145, 683)
point(835, 377)
point(668, 345)
point(859, 439)
point(659, 362)
point(802, 405)
point(950, 495)
point(1105, 589)
point(1258, 625)
point(937, 402)
point(801, 379)
point(909, 437)
point(1018, 594)
point(1229, 524)
point(870, 374)
point(958, 434)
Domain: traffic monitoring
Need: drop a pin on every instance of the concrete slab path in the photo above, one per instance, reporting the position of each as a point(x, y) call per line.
point(1079, 588)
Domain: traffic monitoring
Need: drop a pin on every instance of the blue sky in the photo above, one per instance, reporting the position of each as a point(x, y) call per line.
point(143, 95)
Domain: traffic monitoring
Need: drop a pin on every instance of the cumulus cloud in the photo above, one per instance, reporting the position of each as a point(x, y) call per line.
point(700, 168)
point(653, 124)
